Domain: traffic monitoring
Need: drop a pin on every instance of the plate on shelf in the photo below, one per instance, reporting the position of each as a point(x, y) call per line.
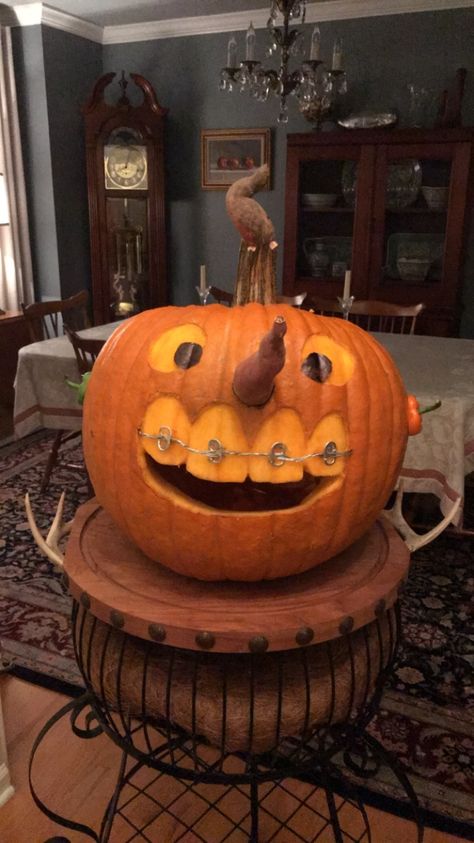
point(419, 246)
point(403, 183)
point(369, 120)
point(319, 200)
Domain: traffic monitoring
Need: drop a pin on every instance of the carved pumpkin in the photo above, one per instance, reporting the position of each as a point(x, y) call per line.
point(222, 467)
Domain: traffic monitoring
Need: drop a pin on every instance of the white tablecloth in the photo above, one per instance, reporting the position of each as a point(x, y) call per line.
point(42, 396)
point(432, 367)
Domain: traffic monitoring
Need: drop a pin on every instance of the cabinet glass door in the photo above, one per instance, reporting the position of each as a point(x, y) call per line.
point(331, 205)
point(413, 216)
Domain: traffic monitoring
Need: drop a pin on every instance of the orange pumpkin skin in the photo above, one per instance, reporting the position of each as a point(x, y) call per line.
point(135, 377)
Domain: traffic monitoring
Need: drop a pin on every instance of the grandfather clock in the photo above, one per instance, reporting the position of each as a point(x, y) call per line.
point(125, 179)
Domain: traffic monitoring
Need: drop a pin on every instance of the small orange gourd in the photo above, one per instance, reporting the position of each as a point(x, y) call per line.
point(221, 471)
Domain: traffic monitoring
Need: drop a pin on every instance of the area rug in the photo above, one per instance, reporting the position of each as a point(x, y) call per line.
point(426, 714)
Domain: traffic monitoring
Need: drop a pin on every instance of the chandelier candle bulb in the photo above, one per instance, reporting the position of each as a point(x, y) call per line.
point(337, 55)
point(250, 41)
point(232, 53)
point(347, 285)
point(202, 278)
point(315, 49)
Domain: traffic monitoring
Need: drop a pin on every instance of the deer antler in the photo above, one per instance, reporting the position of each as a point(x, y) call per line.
point(414, 540)
point(50, 546)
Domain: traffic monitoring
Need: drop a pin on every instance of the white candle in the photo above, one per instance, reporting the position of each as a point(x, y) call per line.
point(337, 55)
point(315, 48)
point(232, 52)
point(202, 278)
point(347, 285)
point(250, 41)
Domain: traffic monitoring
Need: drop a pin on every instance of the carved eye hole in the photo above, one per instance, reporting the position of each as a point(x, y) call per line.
point(177, 348)
point(316, 366)
point(188, 354)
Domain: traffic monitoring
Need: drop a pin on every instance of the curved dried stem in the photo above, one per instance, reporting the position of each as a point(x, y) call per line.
point(254, 377)
point(50, 546)
point(414, 540)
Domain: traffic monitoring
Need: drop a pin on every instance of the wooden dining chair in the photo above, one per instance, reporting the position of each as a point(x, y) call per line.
point(296, 301)
point(372, 315)
point(86, 350)
point(47, 319)
point(324, 307)
point(384, 316)
point(222, 296)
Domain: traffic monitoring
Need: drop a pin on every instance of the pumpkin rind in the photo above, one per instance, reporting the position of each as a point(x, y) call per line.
point(363, 391)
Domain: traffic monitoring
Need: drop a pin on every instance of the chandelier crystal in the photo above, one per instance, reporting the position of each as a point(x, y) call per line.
point(315, 86)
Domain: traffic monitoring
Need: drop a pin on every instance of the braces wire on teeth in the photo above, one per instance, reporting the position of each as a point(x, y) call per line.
point(215, 452)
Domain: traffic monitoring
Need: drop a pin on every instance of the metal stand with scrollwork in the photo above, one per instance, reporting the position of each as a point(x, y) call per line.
point(235, 720)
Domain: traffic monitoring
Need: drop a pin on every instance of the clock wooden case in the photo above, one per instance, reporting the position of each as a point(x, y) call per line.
point(126, 192)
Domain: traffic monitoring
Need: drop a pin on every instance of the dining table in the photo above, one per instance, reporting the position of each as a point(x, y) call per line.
point(43, 398)
point(433, 368)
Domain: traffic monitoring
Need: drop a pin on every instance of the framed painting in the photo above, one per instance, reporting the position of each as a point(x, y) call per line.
point(230, 154)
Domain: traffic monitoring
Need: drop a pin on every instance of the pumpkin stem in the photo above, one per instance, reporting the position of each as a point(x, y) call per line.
point(256, 271)
point(254, 376)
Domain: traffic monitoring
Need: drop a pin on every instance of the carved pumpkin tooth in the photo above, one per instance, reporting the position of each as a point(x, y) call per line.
point(330, 429)
point(166, 412)
point(283, 427)
point(218, 424)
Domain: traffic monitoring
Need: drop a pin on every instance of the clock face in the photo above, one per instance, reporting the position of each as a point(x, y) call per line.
point(125, 167)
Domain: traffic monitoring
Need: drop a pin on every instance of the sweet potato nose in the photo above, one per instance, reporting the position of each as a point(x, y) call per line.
point(254, 376)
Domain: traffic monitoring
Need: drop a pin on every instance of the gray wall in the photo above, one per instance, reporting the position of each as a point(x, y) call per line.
point(68, 84)
point(382, 56)
point(55, 72)
point(33, 113)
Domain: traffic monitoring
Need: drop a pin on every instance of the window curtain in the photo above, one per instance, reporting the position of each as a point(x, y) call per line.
point(16, 275)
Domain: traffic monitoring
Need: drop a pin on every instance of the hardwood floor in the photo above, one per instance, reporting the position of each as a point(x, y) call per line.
point(76, 777)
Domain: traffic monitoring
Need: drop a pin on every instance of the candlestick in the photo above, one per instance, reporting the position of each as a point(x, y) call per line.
point(315, 47)
point(202, 277)
point(250, 41)
point(347, 285)
point(337, 55)
point(346, 305)
point(232, 52)
point(203, 293)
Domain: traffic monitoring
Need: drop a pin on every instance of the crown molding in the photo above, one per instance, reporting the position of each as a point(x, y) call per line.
point(179, 27)
point(235, 21)
point(31, 14)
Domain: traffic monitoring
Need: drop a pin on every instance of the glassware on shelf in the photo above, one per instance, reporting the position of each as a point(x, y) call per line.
point(421, 106)
point(318, 257)
point(403, 183)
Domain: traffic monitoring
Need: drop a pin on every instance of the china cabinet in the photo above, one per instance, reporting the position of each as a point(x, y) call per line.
point(125, 176)
point(390, 205)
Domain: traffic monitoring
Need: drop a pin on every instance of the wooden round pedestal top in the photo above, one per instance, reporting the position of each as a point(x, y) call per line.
point(119, 585)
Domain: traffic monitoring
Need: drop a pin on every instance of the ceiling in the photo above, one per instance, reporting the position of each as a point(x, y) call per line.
point(119, 12)
point(106, 20)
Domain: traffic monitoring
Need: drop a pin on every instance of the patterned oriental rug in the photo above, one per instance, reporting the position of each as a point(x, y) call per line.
point(426, 715)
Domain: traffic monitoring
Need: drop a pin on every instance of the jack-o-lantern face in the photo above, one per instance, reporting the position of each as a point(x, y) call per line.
point(215, 486)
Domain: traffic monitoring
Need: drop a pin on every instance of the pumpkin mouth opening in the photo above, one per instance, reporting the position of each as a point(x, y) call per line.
point(238, 497)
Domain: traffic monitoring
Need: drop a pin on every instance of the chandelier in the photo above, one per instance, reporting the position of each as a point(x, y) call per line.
point(315, 86)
